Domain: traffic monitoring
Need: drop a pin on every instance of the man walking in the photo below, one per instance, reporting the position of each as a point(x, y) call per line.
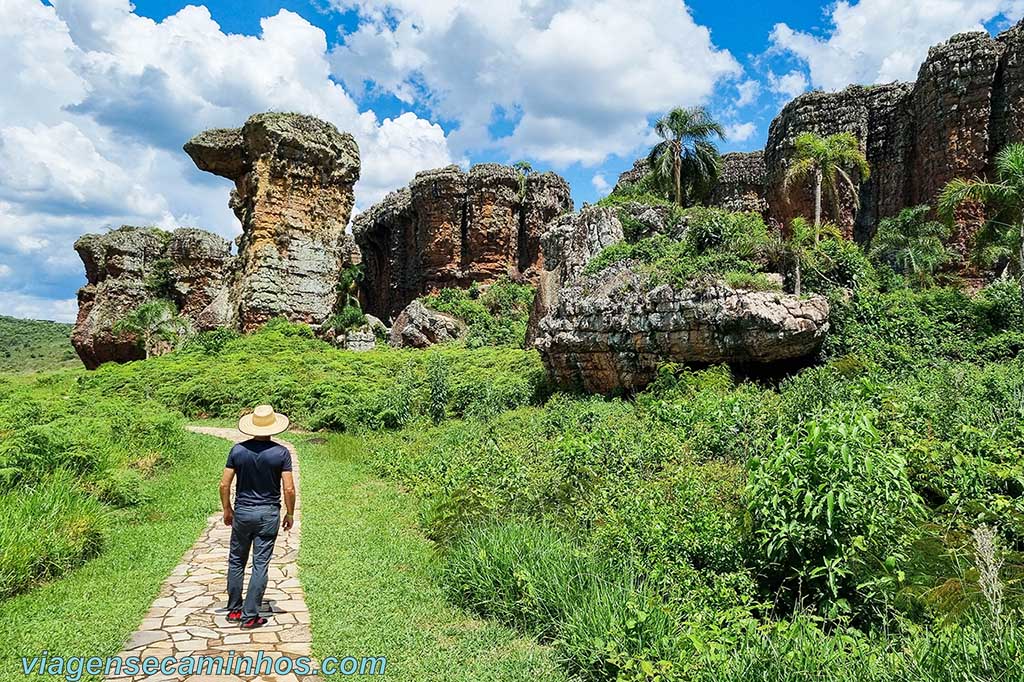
point(261, 467)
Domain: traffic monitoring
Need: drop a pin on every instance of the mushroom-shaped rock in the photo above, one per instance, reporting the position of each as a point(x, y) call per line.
point(293, 195)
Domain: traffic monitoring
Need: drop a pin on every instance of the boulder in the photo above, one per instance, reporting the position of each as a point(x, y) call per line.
point(293, 195)
point(419, 327)
point(609, 331)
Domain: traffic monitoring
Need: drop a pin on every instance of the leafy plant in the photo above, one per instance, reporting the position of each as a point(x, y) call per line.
point(829, 162)
point(154, 323)
point(911, 244)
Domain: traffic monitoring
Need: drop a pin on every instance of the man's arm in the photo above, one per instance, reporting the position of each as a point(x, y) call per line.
point(288, 486)
point(225, 495)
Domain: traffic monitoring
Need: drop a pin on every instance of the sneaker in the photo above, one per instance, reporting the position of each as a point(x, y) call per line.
point(255, 622)
point(234, 616)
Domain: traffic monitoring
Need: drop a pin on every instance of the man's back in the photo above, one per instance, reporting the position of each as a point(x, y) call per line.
point(258, 465)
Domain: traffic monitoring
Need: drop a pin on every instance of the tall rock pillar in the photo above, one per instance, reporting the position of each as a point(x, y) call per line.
point(293, 178)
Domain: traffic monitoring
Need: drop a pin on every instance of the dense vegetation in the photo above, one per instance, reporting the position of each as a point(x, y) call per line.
point(33, 345)
point(838, 525)
point(860, 519)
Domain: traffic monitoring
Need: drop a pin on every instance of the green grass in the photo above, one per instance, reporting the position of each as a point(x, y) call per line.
point(369, 577)
point(34, 345)
point(94, 609)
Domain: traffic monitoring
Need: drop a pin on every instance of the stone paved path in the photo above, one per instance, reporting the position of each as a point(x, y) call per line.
point(189, 616)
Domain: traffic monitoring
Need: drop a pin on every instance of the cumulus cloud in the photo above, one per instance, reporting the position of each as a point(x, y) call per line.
point(879, 41)
point(740, 132)
point(748, 92)
point(98, 100)
point(789, 85)
point(581, 78)
point(600, 183)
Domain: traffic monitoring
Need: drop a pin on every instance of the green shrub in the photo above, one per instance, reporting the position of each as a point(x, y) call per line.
point(750, 281)
point(832, 513)
point(496, 317)
point(347, 318)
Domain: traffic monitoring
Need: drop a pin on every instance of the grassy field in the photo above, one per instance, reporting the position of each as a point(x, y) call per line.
point(368, 576)
point(93, 609)
point(35, 345)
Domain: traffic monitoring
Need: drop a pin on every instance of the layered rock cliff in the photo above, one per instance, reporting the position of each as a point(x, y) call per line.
point(450, 228)
point(127, 267)
point(609, 331)
point(293, 178)
point(966, 104)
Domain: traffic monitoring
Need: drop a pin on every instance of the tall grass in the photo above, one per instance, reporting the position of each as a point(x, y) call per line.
point(47, 529)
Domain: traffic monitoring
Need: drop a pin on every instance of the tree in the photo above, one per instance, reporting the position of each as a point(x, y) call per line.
point(1002, 238)
point(687, 153)
point(796, 249)
point(911, 243)
point(829, 161)
point(154, 321)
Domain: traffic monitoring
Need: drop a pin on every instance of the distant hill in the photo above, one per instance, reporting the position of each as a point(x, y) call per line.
point(31, 345)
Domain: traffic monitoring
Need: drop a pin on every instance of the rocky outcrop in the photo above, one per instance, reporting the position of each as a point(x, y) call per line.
point(360, 339)
point(450, 228)
point(632, 176)
point(966, 104)
point(293, 178)
point(127, 267)
point(741, 182)
point(419, 327)
point(608, 332)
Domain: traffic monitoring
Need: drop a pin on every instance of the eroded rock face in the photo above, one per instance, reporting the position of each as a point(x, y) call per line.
point(966, 104)
point(419, 327)
point(127, 267)
point(450, 228)
point(741, 182)
point(609, 331)
point(293, 195)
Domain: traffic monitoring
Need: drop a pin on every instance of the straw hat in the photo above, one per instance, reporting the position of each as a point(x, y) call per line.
point(263, 422)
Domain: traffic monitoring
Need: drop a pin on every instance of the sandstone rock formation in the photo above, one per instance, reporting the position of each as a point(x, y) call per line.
point(132, 265)
point(741, 182)
point(966, 104)
point(293, 179)
point(419, 327)
point(609, 331)
point(450, 228)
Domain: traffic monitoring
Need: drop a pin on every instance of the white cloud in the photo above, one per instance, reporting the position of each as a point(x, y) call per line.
point(98, 100)
point(879, 41)
point(740, 132)
point(748, 92)
point(17, 304)
point(5, 271)
point(789, 85)
point(600, 183)
point(581, 78)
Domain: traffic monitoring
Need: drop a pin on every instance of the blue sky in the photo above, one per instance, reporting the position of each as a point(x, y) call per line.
point(104, 92)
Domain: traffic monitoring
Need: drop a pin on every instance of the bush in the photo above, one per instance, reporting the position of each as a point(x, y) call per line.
point(497, 317)
point(832, 511)
point(347, 318)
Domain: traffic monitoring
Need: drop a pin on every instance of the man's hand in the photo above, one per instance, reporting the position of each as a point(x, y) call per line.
point(229, 516)
point(288, 521)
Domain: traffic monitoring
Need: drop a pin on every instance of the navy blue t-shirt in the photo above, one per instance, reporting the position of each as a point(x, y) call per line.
point(258, 465)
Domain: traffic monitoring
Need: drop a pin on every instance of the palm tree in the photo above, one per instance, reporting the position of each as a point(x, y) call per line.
point(687, 153)
point(796, 249)
point(1004, 238)
point(829, 161)
point(154, 321)
point(911, 243)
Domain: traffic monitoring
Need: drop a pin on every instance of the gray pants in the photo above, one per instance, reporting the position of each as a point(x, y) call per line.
point(256, 528)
